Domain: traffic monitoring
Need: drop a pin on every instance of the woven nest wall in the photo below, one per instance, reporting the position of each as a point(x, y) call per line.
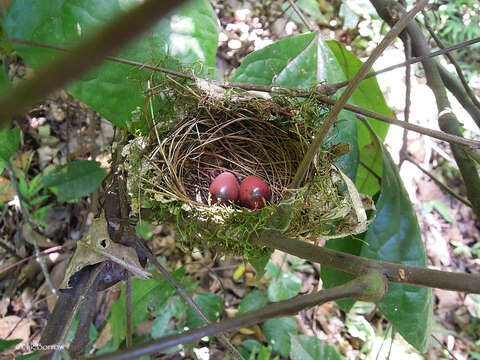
point(210, 131)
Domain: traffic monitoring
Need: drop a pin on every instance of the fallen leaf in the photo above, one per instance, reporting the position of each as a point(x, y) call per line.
point(22, 328)
point(103, 338)
point(6, 190)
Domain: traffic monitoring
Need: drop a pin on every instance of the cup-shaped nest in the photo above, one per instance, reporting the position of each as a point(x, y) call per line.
point(245, 137)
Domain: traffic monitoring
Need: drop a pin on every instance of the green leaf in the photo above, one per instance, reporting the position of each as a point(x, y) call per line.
point(273, 270)
point(309, 7)
point(174, 307)
point(259, 263)
point(188, 37)
point(144, 229)
point(76, 179)
point(4, 82)
point(32, 356)
point(252, 349)
point(143, 293)
point(286, 286)
point(305, 60)
point(278, 332)
point(333, 277)
point(211, 305)
point(306, 347)
point(252, 301)
point(9, 143)
point(6, 344)
point(394, 236)
point(440, 207)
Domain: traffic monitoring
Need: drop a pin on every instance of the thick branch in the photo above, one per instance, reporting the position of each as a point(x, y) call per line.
point(356, 289)
point(88, 54)
point(358, 265)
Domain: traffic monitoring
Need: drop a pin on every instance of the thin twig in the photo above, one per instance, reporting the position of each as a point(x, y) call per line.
point(89, 53)
point(42, 253)
point(320, 90)
point(221, 338)
point(444, 347)
point(408, 89)
point(459, 71)
point(301, 16)
point(437, 181)
point(353, 84)
point(354, 289)
point(26, 218)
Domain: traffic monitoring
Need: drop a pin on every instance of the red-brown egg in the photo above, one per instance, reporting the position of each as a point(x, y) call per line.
point(224, 188)
point(253, 192)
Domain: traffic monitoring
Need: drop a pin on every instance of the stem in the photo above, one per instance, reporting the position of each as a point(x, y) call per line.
point(358, 265)
point(89, 53)
point(300, 14)
point(438, 182)
point(353, 84)
point(353, 289)
point(408, 89)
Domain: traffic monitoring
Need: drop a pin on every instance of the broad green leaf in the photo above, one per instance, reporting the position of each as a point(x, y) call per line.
point(305, 60)
point(4, 82)
point(273, 270)
point(144, 229)
point(143, 293)
point(306, 347)
point(286, 286)
point(211, 305)
point(333, 277)
point(278, 332)
point(252, 301)
point(187, 37)
point(394, 236)
point(76, 179)
point(9, 143)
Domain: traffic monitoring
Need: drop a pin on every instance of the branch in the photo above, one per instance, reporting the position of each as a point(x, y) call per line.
point(320, 91)
point(467, 88)
point(353, 84)
point(89, 53)
point(446, 119)
point(369, 287)
point(358, 265)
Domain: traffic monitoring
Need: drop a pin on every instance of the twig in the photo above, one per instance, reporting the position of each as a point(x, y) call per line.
point(26, 218)
point(221, 338)
point(356, 265)
point(438, 182)
point(353, 84)
point(353, 289)
point(321, 90)
point(414, 60)
point(459, 71)
point(408, 89)
point(89, 53)
point(444, 347)
point(301, 16)
point(42, 253)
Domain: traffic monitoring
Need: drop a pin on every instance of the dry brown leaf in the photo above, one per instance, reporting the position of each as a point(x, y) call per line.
point(6, 190)
point(103, 338)
point(22, 330)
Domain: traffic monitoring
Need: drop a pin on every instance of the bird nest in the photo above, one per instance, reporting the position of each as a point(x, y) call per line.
point(209, 131)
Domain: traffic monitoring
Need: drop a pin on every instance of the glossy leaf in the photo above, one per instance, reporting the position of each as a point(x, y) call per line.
point(286, 286)
point(211, 305)
point(9, 143)
point(76, 179)
point(395, 236)
point(278, 332)
point(306, 347)
point(252, 301)
point(303, 61)
point(187, 37)
point(174, 307)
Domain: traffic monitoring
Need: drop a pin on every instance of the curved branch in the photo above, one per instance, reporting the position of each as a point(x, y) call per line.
point(357, 289)
point(358, 265)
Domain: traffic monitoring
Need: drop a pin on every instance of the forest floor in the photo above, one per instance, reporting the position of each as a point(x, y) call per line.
point(61, 129)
